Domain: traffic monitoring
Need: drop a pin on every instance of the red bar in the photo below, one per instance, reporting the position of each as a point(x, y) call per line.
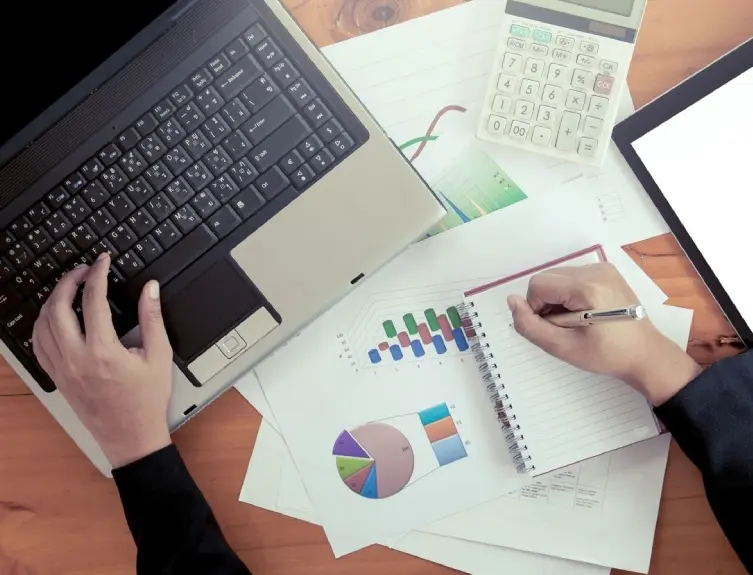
point(445, 327)
point(424, 333)
point(384, 346)
point(404, 339)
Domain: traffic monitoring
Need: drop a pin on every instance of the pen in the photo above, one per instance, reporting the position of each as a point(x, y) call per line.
point(592, 317)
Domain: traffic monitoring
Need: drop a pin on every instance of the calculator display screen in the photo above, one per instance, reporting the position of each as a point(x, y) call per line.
point(621, 7)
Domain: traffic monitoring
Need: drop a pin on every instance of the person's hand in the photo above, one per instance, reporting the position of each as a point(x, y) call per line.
point(121, 395)
point(635, 351)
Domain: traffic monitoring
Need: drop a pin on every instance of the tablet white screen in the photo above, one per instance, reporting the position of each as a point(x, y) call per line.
point(702, 161)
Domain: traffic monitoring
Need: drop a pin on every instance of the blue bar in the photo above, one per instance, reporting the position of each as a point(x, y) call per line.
point(418, 349)
point(429, 416)
point(460, 340)
point(397, 353)
point(439, 344)
point(449, 450)
point(374, 356)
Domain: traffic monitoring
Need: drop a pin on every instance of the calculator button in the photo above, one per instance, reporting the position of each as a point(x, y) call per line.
point(561, 55)
point(592, 127)
point(534, 68)
point(589, 47)
point(568, 132)
point(496, 125)
point(547, 116)
point(608, 67)
point(542, 36)
point(604, 84)
point(598, 106)
point(551, 94)
point(582, 79)
point(575, 100)
point(516, 44)
point(529, 88)
point(501, 104)
point(519, 131)
point(566, 42)
point(521, 31)
point(556, 73)
point(524, 110)
point(541, 136)
point(585, 60)
point(512, 62)
point(588, 147)
point(507, 84)
point(540, 49)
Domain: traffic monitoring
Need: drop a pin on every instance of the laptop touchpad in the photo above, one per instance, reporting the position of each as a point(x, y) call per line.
point(207, 308)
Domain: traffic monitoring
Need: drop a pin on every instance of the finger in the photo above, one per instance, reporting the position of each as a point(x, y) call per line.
point(153, 334)
point(64, 325)
point(45, 349)
point(553, 289)
point(97, 314)
point(534, 328)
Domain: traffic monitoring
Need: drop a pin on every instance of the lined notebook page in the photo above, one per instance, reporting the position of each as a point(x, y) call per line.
point(565, 414)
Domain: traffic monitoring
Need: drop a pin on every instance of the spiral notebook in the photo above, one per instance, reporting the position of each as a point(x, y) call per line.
point(552, 413)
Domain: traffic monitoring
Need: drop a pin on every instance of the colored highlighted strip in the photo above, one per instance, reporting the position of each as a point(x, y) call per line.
point(442, 433)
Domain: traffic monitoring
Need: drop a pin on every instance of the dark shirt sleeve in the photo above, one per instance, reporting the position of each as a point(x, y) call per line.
point(712, 421)
point(173, 527)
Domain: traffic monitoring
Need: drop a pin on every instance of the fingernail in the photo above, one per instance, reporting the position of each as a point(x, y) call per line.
point(512, 303)
point(103, 256)
point(153, 290)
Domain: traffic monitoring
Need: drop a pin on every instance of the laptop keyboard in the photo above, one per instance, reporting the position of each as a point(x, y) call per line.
point(208, 157)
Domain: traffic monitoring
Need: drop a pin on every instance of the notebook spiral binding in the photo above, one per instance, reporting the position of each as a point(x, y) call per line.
point(495, 387)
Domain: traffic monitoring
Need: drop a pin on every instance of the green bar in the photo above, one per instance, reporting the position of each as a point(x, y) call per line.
point(431, 318)
point(410, 323)
point(454, 316)
point(389, 328)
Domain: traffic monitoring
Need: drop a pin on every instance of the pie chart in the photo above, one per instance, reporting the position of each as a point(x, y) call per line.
point(374, 460)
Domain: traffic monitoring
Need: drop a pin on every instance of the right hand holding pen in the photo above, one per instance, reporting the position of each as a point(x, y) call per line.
point(633, 351)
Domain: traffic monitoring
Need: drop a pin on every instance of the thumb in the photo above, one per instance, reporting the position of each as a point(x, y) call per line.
point(153, 333)
point(534, 328)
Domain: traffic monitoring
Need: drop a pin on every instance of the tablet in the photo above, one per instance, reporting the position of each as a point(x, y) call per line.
point(692, 149)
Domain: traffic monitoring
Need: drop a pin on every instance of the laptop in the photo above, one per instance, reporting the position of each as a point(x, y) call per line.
point(206, 144)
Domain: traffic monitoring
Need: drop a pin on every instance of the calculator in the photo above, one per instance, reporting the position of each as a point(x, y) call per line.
point(559, 73)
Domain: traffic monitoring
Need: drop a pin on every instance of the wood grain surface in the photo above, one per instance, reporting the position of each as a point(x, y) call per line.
point(60, 516)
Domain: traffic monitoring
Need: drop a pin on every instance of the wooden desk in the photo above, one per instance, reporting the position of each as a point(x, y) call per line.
point(59, 516)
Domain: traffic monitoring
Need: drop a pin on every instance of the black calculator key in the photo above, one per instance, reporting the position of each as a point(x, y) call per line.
point(103, 246)
point(10, 298)
point(190, 117)
point(109, 154)
point(26, 282)
point(152, 148)
point(19, 255)
point(237, 145)
point(63, 251)
point(236, 49)
point(291, 161)
point(171, 132)
point(216, 129)
point(302, 176)
point(271, 150)
point(259, 93)
point(181, 95)
point(57, 225)
point(6, 270)
point(186, 219)
point(38, 240)
point(219, 64)
point(130, 264)
point(265, 122)
point(330, 130)
point(232, 82)
point(83, 237)
point(177, 160)
point(254, 35)
point(341, 144)
point(243, 173)
point(321, 160)
point(316, 112)
point(205, 204)
point(38, 212)
point(224, 221)
point(146, 125)
point(217, 161)
point(284, 73)
point(45, 267)
point(139, 191)
point(209, 101)
point(158, 176)
point(95, 194)
point(179, 192)
point(22, 319)
point(148, 249)
point(163, 110)
point(56, 197)
point(21, 226)
point(122, 237)
point(120, 206)
point(91, 170)
point(247, 203)
point(141, 222)
point(74, 182)
point(198, 176)
point(267, 52)
point(102, 221)
point(129, 138)
point(201, 79)
point(76, 210)
point(160, 207)
point(114, 179)
point(197, 145)
point(271, 182)
point(223, 188)
point(235, 113)
point(167, 234)
point(301, 93)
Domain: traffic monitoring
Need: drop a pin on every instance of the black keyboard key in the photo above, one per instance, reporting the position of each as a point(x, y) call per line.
point(27, 283)
point(148, 249)
point(76, 210)
point(209, 101)
point(316, 112)
point(310, 146)
point(171, 132)
point(237, 145)
point(63, 252)
point(103, 246)
point(141, 222)
point(215, 128)
point(57, 225)
point(201, 79)
point(7, 239)
point(42, 295)
point(190, 117)
point(74, 182)
point(301, 93)
point(271, 182)
point(186, 219)
point(56, 197)
point(109, 154)
point(247, 203)
point(231, 83)
point(271, 150)
point(198, 176)
point(330, 130)
point(133, 163)
point(243, 173)
point(219, 64)
point(19, 255)
point(22, 320)
point(217, 161)
point(235, 113)
point(223, 188)
point(167, 234)
point(120, 206)
point(197, 145)
point(83, 237)
point(146, 125)
point(38, 240)
point(341, 144)
point(10, 299)
point(139, 191)
point(179, 192)
point(322, 160)
point(259, 93)
point(129, 264)
point(45, 268)
point(291, 161)
point(181, 95)
point(7, 271)
point(205, 204)
point(302, 176)
point(177, 160)
point(91, 170)
point(158, 176)
point(254, 35)
point(163, 110)
point(95, 194)
point(224, 221)
point(129, 138)
point(38, 212)
point(160, 207)
point(102, 221)
point(271, 117)
point(268, 52)
point(284, 73)
point(114, 179)
point(122, 237)
point(152, 148)
point(236, 49)
point(21, 226)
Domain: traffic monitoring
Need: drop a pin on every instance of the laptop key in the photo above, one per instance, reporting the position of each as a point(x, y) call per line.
point(291, 161)
point(190, 117)
point(38, 212)
point(27, 283)
point(83, 237)
point(224, 221)
point(236, 49)
point(146, 125)
point(114, 179)
point(122, 237)
point(243, 173)
point(120, 206)
point(237, 145)
point(219, 64)
point(186, 219)
point(21, 319)
point(302, 176)
point(158, 176)
point(322, 160)
point(197, 145)
point(317, 113)
point(167, 234)
point(42, 295)
point(284, 73)
point(56, 197)
point(109, 155)
point(21, 226)
point(310, 146)
point(330, 130)
point(163, 110)
point(201, 79)
point(205, 204)
point(103, 246)
point(341, 144)
point(6, 270)
point(248, 202)
point(217, 161)
point(209, 101)
point(232, 82)
point(148, 249)
point(101, 221)
point(271, 117)
point(223, 188)
point(198, 176)
point(181, 95)
point(254, 35)
point(177, 160)
point(215, 128)
point(90, 170)
point(259, 93)
point(57, 225)
point(171, 132)
point(160, 207)
point(271, 182)
point(95, 194)
point(129, 264)
point(235, 113)
point(139, 191)
point(19, 255)
point(63, 252)
point(152, 148)
point(10, 298)
point(74, 182)
point(39, 240)
point(142, 222)
point(179, 192)
point(129, 138)
point(301, 93)
point(268, 52)
point(45, 268)
point(271, 150)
